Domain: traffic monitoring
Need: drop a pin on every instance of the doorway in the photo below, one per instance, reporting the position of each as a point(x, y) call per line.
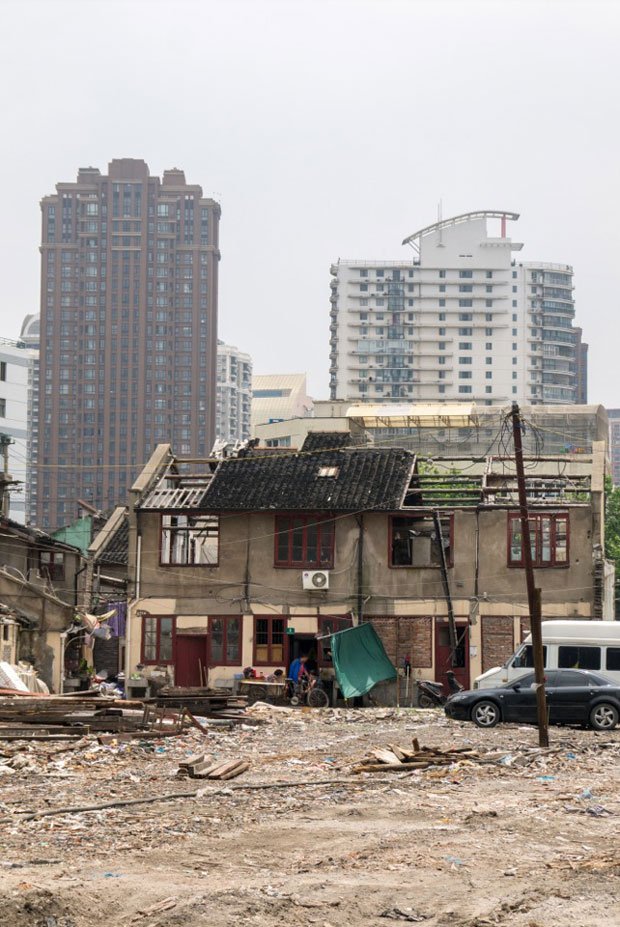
point(303, 645)
point(443, 660)
point(190, 668)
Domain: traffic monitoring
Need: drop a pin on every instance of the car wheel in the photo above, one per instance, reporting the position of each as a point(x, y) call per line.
point(485, 714)
point(604, 717)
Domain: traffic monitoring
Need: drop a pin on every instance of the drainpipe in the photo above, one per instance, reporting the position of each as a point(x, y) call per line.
point(63, 644)
point(75, 587)
point(129, 613)
point(360, 569)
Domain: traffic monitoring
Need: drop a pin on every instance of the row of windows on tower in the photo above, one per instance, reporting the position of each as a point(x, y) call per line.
point(410, 272)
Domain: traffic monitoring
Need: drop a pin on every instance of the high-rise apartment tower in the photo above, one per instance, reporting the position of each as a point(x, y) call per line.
point(461, 320)
point(234, 394)
point(128, 331)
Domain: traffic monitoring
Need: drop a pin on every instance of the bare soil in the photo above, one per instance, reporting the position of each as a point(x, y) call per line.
point(526, 838)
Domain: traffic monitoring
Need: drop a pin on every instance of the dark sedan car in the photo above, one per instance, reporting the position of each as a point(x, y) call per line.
point(573, 697)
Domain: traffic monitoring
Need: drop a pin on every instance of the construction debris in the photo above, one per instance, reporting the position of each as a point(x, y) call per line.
point(202, 767)
point(215, 704)
point(24, 715)
point(299, 830)
point(403, 758)
point(51, 716)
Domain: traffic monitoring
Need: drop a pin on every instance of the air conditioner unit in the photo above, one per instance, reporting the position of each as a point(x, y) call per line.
point(315, 580)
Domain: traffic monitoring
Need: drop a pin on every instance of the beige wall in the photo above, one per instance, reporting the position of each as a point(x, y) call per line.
point(246, 570)
point(246, 582)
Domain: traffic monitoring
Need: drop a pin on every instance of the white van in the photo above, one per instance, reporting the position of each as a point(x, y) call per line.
point(587, 645)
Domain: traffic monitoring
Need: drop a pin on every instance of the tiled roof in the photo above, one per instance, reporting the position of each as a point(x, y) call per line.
point(117, 547)
point(326, 440)
point(336, 481)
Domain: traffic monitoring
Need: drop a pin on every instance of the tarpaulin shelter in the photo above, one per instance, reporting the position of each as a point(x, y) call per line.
point(360, 660)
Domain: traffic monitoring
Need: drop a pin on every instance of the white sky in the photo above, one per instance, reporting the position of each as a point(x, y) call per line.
point(325, 129)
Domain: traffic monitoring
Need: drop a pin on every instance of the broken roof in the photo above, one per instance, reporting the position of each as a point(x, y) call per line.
point(36, 536)
point(326, 440)
point(333, 480)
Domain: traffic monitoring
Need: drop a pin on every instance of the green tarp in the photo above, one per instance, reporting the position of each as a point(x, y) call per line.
point(360, 660)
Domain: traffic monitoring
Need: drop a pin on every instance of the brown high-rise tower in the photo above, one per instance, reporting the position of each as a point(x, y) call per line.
point(129, 266)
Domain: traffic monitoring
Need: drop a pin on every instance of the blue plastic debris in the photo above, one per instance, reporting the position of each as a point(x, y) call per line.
point(454, 860)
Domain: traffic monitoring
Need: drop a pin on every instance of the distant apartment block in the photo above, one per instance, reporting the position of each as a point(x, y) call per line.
point(614, 444)
point(233, 418)
point(278, 397)
point(17, 363)
point(30, 336)
point(129, 270)
point(581, 366)
point(461, 320)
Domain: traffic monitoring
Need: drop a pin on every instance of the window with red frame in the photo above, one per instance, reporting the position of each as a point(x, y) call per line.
point(414, 541)
point(548, 539)
point(189, 540)
point(270, 641)
point(305, 541)
point(158, 633)
point(225, 640)
point(52, 564)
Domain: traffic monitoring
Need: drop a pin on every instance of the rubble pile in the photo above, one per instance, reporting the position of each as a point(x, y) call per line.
point(301, 832)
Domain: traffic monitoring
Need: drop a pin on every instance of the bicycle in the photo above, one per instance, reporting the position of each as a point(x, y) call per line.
point(308, 690)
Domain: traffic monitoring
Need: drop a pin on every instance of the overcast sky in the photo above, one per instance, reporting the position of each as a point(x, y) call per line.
point(325, 129)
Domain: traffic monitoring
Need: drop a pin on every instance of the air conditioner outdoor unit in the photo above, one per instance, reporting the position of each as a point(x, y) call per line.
point(315, 579)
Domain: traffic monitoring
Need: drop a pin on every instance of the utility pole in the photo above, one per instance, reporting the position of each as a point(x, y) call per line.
point(446, 589)
point(533, 593)
point(5, 442)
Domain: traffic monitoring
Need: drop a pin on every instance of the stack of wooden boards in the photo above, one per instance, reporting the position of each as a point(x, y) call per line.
point(58, 716)
point(217, 704)
point(404, 758)
point(201, 766)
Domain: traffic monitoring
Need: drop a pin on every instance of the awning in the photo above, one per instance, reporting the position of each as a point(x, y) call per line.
point(360, 660)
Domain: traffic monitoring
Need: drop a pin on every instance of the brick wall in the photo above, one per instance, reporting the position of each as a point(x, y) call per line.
point(404, 635)
point(497, 640)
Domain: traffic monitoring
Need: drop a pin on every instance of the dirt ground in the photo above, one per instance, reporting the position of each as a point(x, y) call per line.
point(518, 837)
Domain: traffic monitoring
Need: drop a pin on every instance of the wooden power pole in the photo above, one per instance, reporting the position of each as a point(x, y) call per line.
point(533, 593)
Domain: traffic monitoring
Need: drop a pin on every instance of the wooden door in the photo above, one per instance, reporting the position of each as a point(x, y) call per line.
point(443, 661)
point(190, 660)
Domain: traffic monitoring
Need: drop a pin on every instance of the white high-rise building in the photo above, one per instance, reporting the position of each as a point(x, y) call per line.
point(17, 363)
point(462, 320)
point(233, 411)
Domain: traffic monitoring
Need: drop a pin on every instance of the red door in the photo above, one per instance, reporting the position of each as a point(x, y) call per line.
point(190, 660)
point(443, 660)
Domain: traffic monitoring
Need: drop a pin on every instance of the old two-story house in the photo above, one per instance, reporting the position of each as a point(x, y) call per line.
point(39, 591)
point(252, 560)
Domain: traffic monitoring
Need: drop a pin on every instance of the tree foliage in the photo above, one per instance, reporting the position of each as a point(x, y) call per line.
point(612, 531)
point(612, 523)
